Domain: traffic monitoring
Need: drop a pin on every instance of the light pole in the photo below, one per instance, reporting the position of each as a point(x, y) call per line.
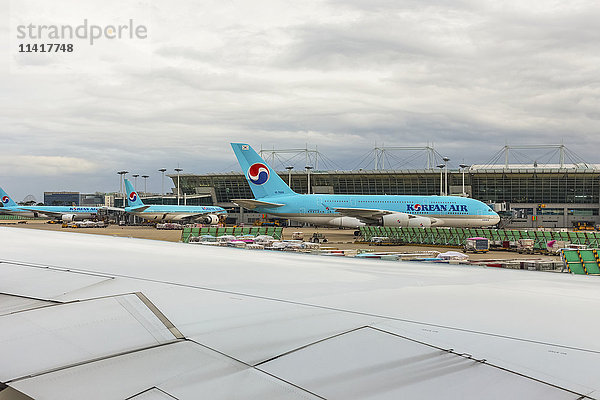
point(122, 173)
point(308, 168)
point(135, 176)
point(463, 167)
point(446, 159)
point(178, 170)
point(162, 193)
point(290, 168)
point(441, 167)
point(145, 182)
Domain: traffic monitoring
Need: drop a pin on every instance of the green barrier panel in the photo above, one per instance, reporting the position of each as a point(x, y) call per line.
point(560, 236)
point(573, 262)
point(185, 235)
point(581, 237)
point(432, 235)
point(590, 263)
point(364, 233)
point(439, 236)
point(590, 239)
point(401, 234)
point(427, 236)
point(459, 233)
point(572, 237)
point(405, 235)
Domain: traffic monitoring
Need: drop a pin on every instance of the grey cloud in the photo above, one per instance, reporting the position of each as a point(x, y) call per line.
point(465, 75)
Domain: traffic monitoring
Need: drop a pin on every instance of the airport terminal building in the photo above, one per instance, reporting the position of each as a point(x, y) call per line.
point(528, 196)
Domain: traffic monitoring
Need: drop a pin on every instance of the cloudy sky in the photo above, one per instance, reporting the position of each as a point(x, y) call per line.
point(343, 75)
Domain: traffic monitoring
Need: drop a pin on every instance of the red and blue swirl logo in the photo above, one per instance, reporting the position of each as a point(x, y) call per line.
point(418, 207)
point(5, 199)
point(132, 196)
point(258, 173)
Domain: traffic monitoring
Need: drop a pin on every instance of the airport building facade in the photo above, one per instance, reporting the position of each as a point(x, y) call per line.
point(527, 196)
point(74, 198)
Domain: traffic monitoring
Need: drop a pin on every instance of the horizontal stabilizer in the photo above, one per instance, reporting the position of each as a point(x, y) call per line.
point(140, 209)
point(251, 204)
point(106, 208)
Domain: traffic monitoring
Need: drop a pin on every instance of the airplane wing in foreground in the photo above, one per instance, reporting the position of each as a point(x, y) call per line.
point(99, 317)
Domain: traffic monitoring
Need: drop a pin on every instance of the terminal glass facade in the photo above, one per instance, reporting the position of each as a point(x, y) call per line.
point(578, 187)
point(61, 198)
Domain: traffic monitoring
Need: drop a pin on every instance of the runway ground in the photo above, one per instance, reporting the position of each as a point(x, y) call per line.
point(341, 239)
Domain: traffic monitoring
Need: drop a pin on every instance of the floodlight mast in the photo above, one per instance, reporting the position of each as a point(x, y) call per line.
point(446, 159)
point(122, 183)
point(308, 168)
point(290, 168)
point(178, 170)
point(441, 167)
point(463, 167)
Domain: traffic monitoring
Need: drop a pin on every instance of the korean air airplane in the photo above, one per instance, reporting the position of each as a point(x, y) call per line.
point(204, 214)
point(64, 213)
point(275, 197)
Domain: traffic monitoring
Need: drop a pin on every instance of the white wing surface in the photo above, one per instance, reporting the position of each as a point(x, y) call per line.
point(97, 317)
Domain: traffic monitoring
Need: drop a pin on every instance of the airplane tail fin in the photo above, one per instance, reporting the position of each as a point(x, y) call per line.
point(132, 197)
point(6, 200)
point(263, 181)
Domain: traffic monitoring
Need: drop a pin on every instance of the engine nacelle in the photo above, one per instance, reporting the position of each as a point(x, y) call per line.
point(68, 217)
point(210, 219)
point(404, 220)
point(419, 222)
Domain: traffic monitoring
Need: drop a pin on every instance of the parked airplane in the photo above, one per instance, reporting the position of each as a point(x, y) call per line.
point(106, 318)
point(275, 197)
point(64, 213)
point(203, 214)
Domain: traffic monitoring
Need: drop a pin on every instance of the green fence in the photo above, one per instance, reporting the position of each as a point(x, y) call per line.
point(457, 236)
point(582, 262)
point(276, 232)
point(16, 217)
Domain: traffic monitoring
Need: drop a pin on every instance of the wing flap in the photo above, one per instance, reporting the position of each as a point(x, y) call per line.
point(368, 216)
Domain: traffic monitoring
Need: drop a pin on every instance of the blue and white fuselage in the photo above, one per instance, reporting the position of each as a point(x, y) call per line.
point(65, 213)
point(273, 196)
point(205, 214)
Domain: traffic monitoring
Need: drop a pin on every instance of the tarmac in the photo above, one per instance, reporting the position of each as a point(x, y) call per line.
point(338, 238)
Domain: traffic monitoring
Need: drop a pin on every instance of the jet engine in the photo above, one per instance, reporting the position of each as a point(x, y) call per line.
point(404, 220)
point(210, 219)
point(68, 217)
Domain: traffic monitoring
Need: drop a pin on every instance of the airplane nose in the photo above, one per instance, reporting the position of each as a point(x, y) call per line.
point(495, 218)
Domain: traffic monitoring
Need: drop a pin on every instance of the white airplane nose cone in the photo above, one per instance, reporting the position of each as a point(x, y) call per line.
point(495, 219)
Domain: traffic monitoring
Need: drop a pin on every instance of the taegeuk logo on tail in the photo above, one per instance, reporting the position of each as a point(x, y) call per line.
point(258, 173)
